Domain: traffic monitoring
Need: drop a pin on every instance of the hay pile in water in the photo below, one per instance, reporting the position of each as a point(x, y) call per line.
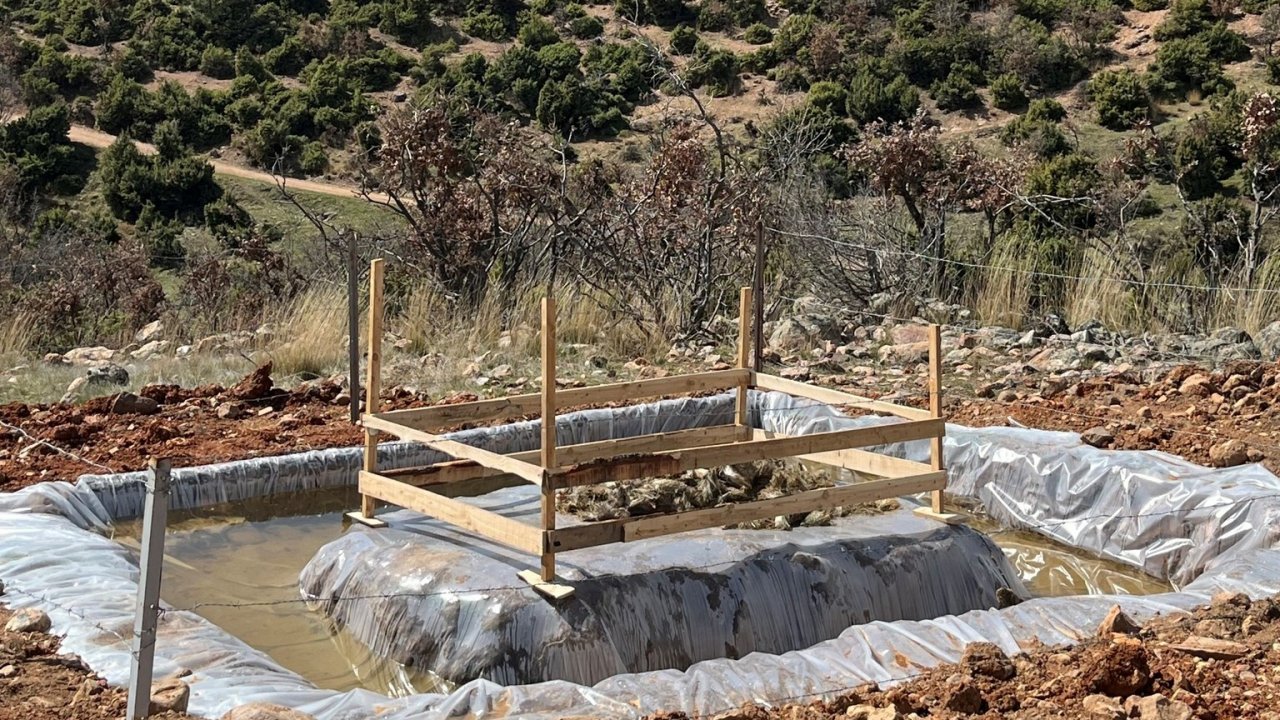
point(695, 489)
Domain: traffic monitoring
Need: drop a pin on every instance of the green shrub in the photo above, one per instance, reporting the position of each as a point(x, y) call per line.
point(1042, 11)
point(314, 160)
point(586, 27)
point(871, 98)
point(1149, 5)
point(827, 96)
point(1007, 93)
point(1185, 18)
point(162, 239)
point(1224, 43)
point(1273, 69)
point(218, 63)
point(536, 32)
point(956, 92)
point(486, 26)
point(683, 40)
point(1037, 129)
point(1185, 64)
point(716, 70)
point(1120, 98)
point(758, 34)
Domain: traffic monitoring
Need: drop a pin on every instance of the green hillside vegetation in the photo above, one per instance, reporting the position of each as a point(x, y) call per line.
point(1042, 137)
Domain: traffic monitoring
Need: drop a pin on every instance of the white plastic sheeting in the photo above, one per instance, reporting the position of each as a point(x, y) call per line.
point(1145, 509)
point(664, 604)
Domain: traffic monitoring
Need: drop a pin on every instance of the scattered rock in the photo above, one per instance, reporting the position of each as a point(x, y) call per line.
point(149, 332)
point(265, 711)
point(1007, 396)
point(1117, 621)
point(155, 348)
point(8, 671)
point(234, 410)
point(803, 332)
point(870, 712)
point(800, 374)
point(1157, 707)
point(28, 620)
point(1120, 670)
point(1098, 437)
point(126, 403)
point(1268, 342)
point(169, 695)
point(54, 359)
point(1228, 453)
point(1213, 648)
point(905, 353)
point(109, 374)
point(1102, 707)
point(984, 658)
point(89, 355)
point(963, 696)
point(1199, 385)
point(74, 389)
point(254, 386)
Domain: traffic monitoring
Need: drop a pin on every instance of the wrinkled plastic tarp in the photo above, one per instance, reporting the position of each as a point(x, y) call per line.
point(665, 604)
point(1146, 509)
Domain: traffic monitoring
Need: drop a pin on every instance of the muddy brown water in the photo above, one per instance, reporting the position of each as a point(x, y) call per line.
point(232, 563)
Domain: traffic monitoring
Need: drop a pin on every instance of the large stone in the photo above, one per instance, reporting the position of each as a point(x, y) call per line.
point(89, 355)
point(1117, 621)
point(149, 332)
point(126, 403)
point(1199, 385)
point(169, 695)
point(151, 349)
point(265, 711)
point(1158, 707)
point(803, 332)
point(984, 658)
point(1229, 453)
point(871, 712)
point(74, 389)
point(109, 374)
point(28, 620)
point(903, 354)
point(1102, 707)
point(1268, 342)
point(1098, 437)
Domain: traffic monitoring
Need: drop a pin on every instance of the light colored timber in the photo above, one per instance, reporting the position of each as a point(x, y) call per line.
point(440, 476)
point(441, 416)
point(660, 463)
point(477, 520)
point(549, 590)
point(744, 352)
point(935, 408)
point(764, 381)
point(528, 471)
point(359, 517)
point(548, 449)
point(944, 517)
point(640, 528)
point(373, 384)
point(863, 461)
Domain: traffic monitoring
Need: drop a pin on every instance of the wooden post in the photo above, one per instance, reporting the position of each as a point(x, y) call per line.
point(155, 515)
point(757, 294)
point(548, 433)
point(935, 404)
point(740, 417)
point(373, 388)
point(353, 328)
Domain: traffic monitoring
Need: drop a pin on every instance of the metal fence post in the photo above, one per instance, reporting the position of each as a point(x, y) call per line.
point(154, 519)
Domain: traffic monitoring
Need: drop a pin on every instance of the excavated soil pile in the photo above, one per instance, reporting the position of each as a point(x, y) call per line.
point(1221, 661)
point(697, 489)
point(38, 683)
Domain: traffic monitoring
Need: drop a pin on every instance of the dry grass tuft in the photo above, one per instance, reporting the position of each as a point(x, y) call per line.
point(313, 334)
point(17, 334)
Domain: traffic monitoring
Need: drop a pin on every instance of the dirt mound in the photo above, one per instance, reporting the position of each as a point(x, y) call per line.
point(695, 489)
point(38, 683)
point(1221, 661)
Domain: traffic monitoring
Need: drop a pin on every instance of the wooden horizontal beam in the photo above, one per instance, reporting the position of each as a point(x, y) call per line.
point(863, 461)
point(487, 458)
point(765, 381)
point(455, 512)
point(636, 466)
point(441, 475)
point(640, 528)
point(441, 416)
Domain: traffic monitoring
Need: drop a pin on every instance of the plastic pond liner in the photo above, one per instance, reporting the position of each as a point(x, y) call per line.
point(1201, 530)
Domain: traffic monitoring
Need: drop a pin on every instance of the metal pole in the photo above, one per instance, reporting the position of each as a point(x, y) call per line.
point(155, 517)
point(353, 327)
point(757, 290)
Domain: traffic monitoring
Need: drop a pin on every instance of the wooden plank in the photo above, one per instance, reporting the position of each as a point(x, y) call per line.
point(863, 461)
point(549, 590)
point(627, 467)
point(438, 416)
point(468, 517)
point(640, 528)
point(765, 381)
point(935, 407)
point(744, 349)
point(441, 476)
point(548, 500)
point(373, 385)
point(519, 468)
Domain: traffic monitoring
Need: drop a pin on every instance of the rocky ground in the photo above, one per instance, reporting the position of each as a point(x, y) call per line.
point(1221, 661)
point(1121, 392)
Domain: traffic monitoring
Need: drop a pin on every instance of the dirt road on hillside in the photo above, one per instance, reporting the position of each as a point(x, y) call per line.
point(98, 139)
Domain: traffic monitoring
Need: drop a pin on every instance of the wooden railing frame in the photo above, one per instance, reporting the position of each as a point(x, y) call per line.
point(433, 489)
